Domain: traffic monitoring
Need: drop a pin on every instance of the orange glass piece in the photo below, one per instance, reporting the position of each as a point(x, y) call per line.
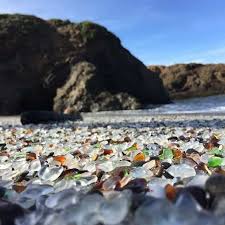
point(177, 154)
point(170, 192)
point(31, 156)
point(139, 157)
point(18, 188)
point(60, 158)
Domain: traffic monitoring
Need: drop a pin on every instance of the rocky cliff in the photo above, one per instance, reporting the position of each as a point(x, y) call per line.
point(39, 57)
point(192, 80)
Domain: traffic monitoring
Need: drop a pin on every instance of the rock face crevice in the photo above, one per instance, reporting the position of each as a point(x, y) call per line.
point(83, 92)
point(192, 80)
point(39, 57)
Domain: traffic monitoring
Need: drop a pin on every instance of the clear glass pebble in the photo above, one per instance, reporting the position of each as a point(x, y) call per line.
point(35, 165)
point(182, 171)
point(154, 213)
point(198, 180)
point(50, 173)
point(141, 172)
point(62, 199)
point(115, 210)
point(33, 191)
point(106, 166)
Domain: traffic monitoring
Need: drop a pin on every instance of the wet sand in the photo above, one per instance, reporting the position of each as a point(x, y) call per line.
point(129, 117)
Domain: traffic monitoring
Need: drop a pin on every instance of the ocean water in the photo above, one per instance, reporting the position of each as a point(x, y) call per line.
point(211, 104)
point(200, 106)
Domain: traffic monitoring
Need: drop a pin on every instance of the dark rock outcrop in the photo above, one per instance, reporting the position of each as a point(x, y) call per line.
point(111, 78)
point(84, 91)
point(192, 80)
point(36, 58)
point(32, 63)
point(37, 117)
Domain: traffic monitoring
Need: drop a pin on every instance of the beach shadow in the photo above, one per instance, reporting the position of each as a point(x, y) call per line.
point(196, 123)
point(214, 123)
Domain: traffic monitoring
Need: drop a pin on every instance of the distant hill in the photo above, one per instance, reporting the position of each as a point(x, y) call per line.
point(192, 80)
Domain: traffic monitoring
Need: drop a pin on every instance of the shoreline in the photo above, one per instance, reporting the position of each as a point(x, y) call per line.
point(129, 116)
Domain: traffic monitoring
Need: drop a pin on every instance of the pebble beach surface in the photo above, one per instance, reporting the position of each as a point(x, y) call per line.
point(114, 169)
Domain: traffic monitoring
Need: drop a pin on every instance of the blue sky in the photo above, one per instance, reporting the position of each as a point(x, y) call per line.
point(155, 31)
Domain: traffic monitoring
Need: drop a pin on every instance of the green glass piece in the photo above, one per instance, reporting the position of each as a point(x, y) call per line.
point(75, 177)
point(98, 145)
point(126, 172)
point(132, 148)
point(167, 154)
point(67, 149)
point(215, 161)
point(146, 151)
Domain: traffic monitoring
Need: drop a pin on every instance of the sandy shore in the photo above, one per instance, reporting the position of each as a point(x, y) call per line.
point(138, 116)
